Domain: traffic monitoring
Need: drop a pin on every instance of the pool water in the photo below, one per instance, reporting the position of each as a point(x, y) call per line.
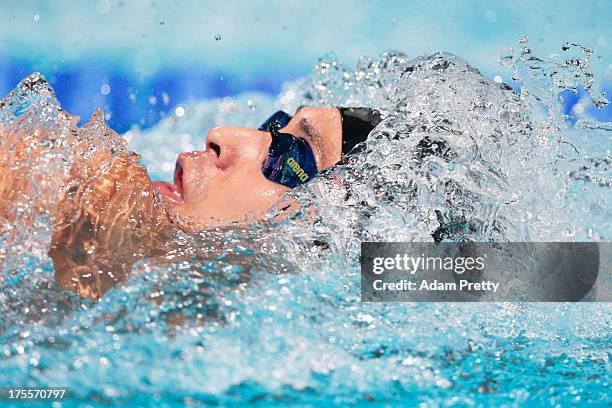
point(280, 319)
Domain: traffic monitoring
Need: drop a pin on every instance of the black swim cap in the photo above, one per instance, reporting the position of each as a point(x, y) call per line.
point(357, 123)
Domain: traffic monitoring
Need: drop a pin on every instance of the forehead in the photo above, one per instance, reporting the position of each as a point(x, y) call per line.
point(311, 119)
point(309, 122)
point(322, 128)
point(306, 111)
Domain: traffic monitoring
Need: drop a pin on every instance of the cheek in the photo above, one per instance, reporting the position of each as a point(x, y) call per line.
point(243, 192)
point(249, 194)
point(250, 152)
point(249, 189)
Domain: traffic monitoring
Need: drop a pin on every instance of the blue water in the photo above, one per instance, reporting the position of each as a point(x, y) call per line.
point(259, 335)
point(145, 49)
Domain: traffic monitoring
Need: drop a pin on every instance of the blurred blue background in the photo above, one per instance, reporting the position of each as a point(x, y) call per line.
point(139, 59)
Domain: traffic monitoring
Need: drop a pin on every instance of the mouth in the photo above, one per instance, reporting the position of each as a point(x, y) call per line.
point(178, 176)
point(173, 193)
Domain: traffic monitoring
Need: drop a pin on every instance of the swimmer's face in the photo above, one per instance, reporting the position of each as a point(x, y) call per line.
point(224, 183)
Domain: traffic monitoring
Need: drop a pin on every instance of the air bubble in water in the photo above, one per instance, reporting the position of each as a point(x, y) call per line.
point(105, 89)
point(490, 16)
point(103, 6)
point(165, 98)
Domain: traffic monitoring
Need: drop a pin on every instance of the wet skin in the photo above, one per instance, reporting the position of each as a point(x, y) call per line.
point(105, 223)
point(224, 184)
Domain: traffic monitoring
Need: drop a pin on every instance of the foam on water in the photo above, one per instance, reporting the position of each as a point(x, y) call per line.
point(262, 313)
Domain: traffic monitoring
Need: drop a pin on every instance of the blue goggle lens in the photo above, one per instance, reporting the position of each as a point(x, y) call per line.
point(290, 160)
point(280, 117)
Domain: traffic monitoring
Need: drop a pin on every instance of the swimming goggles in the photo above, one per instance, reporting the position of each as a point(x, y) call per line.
point(290, 159)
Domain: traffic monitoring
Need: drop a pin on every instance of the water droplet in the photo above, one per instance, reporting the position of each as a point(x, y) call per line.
point(36, 17)
point(105, 89)
point(490, 16)
point(579, 108)
point(103, 6)
point(602, 40)
point(179, 111)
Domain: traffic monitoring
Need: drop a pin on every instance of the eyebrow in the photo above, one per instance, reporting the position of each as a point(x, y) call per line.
point(313, 133)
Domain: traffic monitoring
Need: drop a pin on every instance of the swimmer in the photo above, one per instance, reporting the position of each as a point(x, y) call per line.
point(243, 172)
point(105, 223)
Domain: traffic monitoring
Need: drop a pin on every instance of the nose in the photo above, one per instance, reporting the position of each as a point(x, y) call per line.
point(228, 145)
